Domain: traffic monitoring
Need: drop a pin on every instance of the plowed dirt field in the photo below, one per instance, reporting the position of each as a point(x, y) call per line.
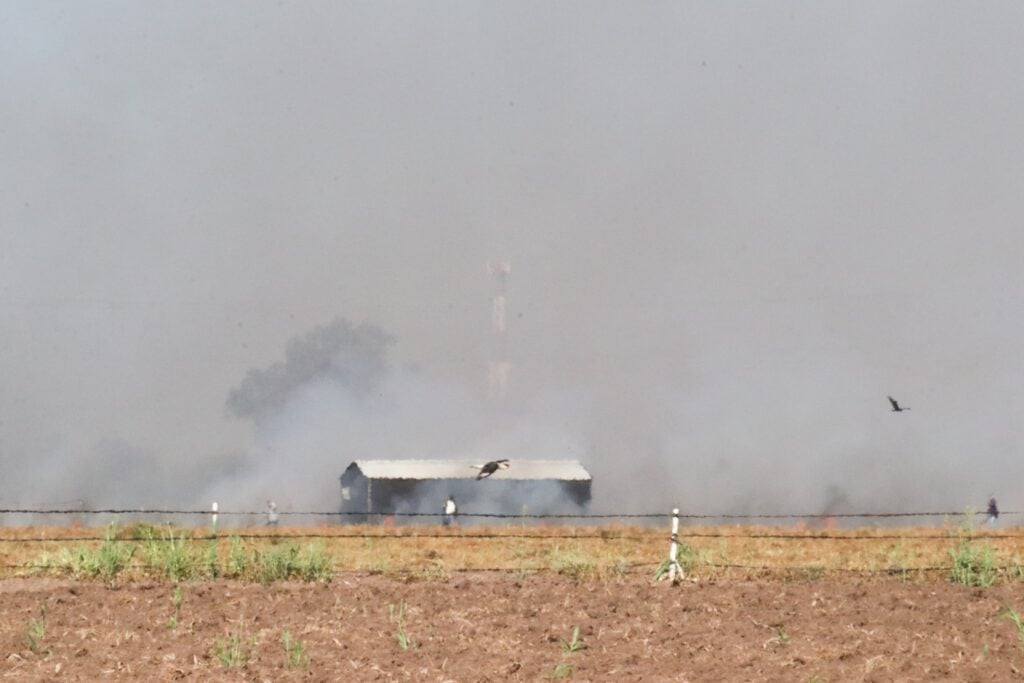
point(498, 626)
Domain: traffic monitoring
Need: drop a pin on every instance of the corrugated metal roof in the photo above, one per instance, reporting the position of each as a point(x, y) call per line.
point(565, 470)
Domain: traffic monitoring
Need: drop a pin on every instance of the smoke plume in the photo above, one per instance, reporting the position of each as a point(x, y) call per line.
point(353, 357)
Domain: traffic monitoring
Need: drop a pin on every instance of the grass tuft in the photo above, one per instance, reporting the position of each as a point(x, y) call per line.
point(294, 652)
point(239, 562)
point(687, 557)
point(397, 616)
point(233, 650)
point(35, 634)
point(1013, 616)
point(172, 623)
point(170, 555)
point(575, 644)
point(973, 565)
point(106, 562)
point(573, 563)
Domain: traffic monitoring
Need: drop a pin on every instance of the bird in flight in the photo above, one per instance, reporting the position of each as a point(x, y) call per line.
point(489, 468)
point(896, 408)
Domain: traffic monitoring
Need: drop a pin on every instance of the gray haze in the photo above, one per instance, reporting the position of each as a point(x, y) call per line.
point(734, 228)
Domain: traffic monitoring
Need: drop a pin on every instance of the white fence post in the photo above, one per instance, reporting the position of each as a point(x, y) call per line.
point(213, 517)
point(673, 564)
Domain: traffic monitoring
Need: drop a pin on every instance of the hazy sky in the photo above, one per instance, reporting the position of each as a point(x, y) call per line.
point(734, 228)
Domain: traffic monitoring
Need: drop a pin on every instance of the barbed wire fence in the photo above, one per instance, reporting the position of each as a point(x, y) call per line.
point(381, 526)
point(498, 515)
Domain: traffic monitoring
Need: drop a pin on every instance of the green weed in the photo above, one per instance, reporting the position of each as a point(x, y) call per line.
point(294, 655)
point(397, 616)
point(35, 634)
point(171, 556)
point(315, 564)
point(172, 623)
point(111, 559)
point(140, 532)
point(239, 563)
point(973, 565)
point(105, 562)
point(212, 560)
point(573, 563)
point(575, 644)
point(1013, 616)
point(289, 562)
point(277, 564)
point(687, 557)
point(233, 651)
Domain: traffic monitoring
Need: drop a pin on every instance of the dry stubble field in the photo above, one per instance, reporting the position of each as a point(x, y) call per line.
point(489, 604)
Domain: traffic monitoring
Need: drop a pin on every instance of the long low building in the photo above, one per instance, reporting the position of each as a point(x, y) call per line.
point(381, 487)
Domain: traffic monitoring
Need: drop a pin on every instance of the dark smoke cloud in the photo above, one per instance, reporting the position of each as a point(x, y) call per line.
point(353, 357)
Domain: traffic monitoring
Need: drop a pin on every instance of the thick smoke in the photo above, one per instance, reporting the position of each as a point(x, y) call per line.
point(336, 398)
point(734, 229)
point(354, 357)
point(523, 497)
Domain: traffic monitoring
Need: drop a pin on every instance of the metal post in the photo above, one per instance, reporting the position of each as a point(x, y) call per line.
point(673, 564)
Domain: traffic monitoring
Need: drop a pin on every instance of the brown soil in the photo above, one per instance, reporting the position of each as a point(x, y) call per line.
point(481, 626)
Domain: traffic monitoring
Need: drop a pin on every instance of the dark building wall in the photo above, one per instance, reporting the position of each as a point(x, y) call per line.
point(577, 491)
point(489, 496)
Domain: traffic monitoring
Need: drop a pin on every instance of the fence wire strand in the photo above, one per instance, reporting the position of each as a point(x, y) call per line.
point(653, 536)
point(493, 515)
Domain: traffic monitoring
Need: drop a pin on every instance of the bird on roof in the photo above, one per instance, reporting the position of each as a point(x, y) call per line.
point(489, 468)
point(896, 406)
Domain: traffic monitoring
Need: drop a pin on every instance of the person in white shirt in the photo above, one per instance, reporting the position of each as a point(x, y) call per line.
point(450, 510)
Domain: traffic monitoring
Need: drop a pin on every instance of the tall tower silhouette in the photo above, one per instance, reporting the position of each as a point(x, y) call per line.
point(499, 367)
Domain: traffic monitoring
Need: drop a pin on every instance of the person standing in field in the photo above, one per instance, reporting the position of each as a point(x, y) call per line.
point(993, 512)
point(450, 510)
